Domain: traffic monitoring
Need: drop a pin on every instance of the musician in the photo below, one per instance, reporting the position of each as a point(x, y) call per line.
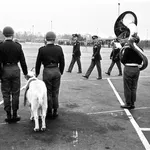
point(132, 62)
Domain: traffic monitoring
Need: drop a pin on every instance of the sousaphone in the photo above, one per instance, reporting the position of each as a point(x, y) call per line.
point(126, 28)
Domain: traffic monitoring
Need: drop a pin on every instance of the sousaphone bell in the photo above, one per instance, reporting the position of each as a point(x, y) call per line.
point(125, 28)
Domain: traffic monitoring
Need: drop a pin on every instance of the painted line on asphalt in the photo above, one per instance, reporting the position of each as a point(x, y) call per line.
point(145, 129)
point(132, 120)
point(113, 111)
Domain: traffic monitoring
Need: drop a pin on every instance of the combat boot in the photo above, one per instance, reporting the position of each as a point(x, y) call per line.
point(8, 119)
point(15, 117)
point(49, 114)
point(55, 113)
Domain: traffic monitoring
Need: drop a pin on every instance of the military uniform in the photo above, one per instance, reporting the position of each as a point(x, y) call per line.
point(115, 58)
point(131, 60)
point(96, 57)
point(52, 58)
point(10, 54)
point(75, 56)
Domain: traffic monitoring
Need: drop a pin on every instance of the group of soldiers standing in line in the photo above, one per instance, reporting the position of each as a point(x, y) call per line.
point(51, 56)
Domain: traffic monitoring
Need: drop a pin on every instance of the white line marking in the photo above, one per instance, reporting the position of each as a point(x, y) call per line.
point(1, 102)
point(113, 111)
point(133, 122)
point(145, 129)
point(104, 112)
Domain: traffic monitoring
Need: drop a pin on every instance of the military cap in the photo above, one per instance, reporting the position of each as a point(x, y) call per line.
point(8, 31)
point(94, 37)
point(75, 35)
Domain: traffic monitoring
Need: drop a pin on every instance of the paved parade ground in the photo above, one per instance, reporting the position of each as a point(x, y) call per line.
point(90, 117)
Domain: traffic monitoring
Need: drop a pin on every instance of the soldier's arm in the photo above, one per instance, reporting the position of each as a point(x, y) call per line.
point(38, 63)
point(61, 62)
point(97, 50)
point(124, 57)
point(23, 62)
point(111, 54)
point(77, 48)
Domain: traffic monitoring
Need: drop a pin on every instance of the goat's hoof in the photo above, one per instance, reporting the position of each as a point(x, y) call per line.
point(43, 129)
point(36, 129)
point(32, 118)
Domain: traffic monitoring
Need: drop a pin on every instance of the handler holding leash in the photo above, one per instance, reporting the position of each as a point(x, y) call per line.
point(52, 58)
point(10, 54)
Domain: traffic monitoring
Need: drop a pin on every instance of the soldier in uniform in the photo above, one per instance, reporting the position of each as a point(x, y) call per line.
point(132, 62)
point(75, 55)
point(52, 58)
point(115, 57)
point(10, 54)
point(96, 57)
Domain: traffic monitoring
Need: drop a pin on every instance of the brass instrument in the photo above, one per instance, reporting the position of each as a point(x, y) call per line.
point(125, 28)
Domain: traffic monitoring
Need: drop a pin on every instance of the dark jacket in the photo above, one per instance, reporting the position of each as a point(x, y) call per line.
point(11, 53)
point(50, 54)
point(115, 54)
point(96, 51)
point(76, 49)
point(130, 56)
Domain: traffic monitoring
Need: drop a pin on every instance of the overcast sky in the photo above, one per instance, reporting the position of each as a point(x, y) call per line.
point(72, 16)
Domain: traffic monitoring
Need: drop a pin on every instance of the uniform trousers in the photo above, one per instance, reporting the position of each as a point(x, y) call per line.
point(10, 86)
point(118, 63)
point(130, 79)
point(75, 59)
point(92, 65)
point(52, 77)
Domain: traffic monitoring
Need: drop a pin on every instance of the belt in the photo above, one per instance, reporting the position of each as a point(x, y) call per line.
point(51, 65)
point(9, 64)
point(131, 65)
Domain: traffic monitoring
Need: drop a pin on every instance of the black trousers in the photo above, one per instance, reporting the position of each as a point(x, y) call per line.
point(130, 79)
point(75, 59)
point(10, 86)
point(91, 67)
point(52, 77)
point(118, 63)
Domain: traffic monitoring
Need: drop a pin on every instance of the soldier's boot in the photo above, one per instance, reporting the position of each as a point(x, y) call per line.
point(16, 117)
point(8, 119)
point(49, 114)
point(55, 113)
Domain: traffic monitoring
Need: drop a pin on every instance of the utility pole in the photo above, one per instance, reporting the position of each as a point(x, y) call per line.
point(118, 7)
point(51, 25)
point(32, 33)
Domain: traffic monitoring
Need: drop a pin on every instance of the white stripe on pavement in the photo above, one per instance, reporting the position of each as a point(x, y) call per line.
point(145, 129)
point(132, 120)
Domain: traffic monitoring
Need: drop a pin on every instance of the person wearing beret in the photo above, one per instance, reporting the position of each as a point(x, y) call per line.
point(96, 57)
point(75, 55)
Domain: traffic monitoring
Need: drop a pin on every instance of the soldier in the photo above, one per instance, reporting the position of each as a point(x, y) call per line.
point(132, 62)
point(115, 57)
point(76, 54)
point(52, 58)
point(96, 57)
point(10, 54)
